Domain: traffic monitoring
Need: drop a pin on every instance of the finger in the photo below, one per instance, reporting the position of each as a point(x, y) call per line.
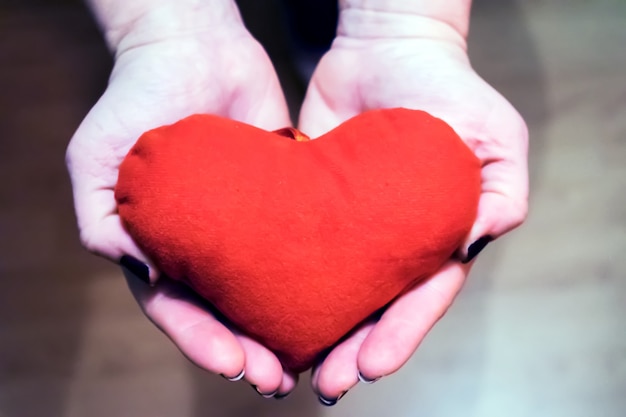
point(338, 372)
point(201, 337)
point(503, 203)
point(263, 370)
point(288, 384)
point(406, 322)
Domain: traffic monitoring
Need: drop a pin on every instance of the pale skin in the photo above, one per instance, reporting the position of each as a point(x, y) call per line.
point(175, 58)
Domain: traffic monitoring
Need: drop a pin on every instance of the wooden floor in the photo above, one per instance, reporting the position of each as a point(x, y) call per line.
point(540, 329)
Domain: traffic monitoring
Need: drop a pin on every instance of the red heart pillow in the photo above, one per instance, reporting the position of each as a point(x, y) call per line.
point(296, 242)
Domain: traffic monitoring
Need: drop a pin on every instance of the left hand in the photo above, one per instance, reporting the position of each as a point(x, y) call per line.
point(174, 59)
point(360, 73)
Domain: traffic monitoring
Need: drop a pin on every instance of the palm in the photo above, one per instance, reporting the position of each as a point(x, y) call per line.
point(435, 76)
point(418, 74)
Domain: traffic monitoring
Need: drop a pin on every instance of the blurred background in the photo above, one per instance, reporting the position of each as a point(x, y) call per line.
point(540, 329)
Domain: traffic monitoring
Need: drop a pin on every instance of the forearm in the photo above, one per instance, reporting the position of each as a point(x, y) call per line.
point(126, 23)
point(405, 18)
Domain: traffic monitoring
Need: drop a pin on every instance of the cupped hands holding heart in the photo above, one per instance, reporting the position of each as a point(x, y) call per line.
point(348, 203)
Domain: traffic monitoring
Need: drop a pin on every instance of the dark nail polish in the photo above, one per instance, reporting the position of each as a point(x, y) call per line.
point(270, 395)
point(329, 403)
point(236, 378)
point(326, 402)
point(138, 268)
point(476, 247)
point(366, 380)
point(281, 396)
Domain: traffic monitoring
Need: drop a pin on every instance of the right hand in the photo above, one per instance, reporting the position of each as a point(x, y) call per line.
point(385, 58)
point(169, 66)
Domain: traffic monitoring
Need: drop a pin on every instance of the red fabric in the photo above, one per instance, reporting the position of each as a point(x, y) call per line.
point(296, 242)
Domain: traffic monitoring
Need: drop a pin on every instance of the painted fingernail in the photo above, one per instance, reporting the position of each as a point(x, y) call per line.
point(366, 380)
point(328, 402)
point(138, 268)
point(270, 395)
point(236, 378)
point(476, 247)
point(281, 396)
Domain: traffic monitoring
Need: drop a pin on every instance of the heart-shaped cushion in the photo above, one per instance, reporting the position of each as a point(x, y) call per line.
point(297, 242)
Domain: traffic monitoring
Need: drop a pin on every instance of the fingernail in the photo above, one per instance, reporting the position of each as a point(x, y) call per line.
point(236, 378)
point(138, 268)
point(281, 396)
point(270, 395)
point(475, 248)
point(366, 380)
point(329, 403)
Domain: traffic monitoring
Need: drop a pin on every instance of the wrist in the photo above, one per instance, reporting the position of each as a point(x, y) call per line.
point(126, 24)
point(446, 20)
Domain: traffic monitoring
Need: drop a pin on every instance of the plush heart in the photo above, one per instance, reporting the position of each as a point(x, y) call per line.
point(297, 242)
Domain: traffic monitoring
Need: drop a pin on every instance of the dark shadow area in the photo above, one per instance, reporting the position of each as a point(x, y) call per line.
point(266, 22)
point(295, 35)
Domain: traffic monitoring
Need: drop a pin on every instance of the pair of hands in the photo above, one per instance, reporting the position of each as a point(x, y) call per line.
point(224, 71)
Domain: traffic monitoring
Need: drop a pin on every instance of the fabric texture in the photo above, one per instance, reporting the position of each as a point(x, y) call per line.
point(295, 241)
